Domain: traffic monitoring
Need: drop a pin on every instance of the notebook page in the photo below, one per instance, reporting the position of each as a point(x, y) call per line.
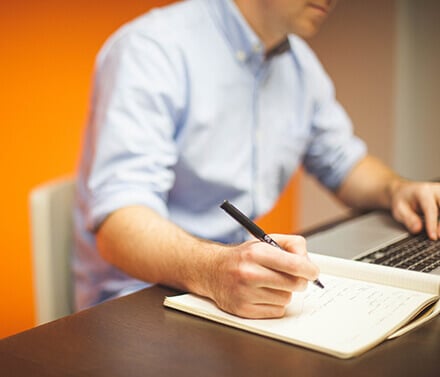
point(434, 311)
point(344, 319)
point(379, 274)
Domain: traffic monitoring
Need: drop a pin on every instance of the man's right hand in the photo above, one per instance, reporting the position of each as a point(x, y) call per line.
point(256, 280)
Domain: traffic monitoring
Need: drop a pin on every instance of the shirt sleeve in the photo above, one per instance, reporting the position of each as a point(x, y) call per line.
point(334, 149)
point(136, 106)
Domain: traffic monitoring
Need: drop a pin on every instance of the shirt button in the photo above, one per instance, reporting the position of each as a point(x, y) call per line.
point(257, 47)
point(241, 55)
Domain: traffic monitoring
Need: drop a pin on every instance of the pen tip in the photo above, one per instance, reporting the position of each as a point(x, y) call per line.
point(318, 283)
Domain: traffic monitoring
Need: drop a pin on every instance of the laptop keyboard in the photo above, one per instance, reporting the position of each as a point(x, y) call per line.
point(417, 253)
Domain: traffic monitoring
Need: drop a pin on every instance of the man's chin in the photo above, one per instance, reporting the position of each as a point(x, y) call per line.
point(307, 29)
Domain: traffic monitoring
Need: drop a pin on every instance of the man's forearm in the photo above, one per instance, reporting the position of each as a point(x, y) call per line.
point(252, 279)
point(369, 185)
point(146, 246)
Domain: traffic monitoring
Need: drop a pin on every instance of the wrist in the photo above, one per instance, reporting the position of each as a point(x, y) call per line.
point(392, 187)
point(206, 274)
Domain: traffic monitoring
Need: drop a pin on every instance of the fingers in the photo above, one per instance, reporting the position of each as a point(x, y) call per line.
point(407, 216)
point(257, 311)
point(274, 308)
point(429, 206)
point(251, 296)
point(263, 266)
point(415, 199)
point(292, 260)
point(268, 296)
point(291, 243)
point(438, 221)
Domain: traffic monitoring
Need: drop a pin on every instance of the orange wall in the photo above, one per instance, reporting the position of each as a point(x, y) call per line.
point(47, 50)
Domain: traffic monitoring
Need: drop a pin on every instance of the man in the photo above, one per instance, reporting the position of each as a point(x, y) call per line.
point(208, 100)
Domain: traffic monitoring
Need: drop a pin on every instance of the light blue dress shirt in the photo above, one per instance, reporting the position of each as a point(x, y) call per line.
point(186, 112)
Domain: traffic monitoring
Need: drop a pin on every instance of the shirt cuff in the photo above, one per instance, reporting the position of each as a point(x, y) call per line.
point(343, 166)
point(102, 207)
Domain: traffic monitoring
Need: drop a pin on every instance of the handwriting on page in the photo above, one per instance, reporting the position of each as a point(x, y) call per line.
point(374, 300)
point(345, 312)
point(346, 317)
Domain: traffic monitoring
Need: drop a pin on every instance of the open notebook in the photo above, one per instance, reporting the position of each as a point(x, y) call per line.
point(361, 306)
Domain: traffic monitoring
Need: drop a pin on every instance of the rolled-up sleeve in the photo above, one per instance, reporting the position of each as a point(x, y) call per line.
point(334, 149)
point(135, 111)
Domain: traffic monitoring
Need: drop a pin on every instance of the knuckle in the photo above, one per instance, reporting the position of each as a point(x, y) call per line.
point(398, 209)
point(286, 299)
point(301, 285)
point(248, 253)
point(294, 269)
point(278, 312)
point(299, 240)
point(246, 274)
point(425, 188)
point(295, 265)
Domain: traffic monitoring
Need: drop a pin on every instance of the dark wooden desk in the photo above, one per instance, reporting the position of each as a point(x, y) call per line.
point(136, 336)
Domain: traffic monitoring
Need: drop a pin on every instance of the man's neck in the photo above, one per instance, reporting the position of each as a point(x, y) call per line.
point(258, 19)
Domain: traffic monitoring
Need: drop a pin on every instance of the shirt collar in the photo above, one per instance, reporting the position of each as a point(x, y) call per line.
point(242, 38)
point(279, 49)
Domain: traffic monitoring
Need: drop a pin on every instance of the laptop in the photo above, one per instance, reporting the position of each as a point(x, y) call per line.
point(377, 238)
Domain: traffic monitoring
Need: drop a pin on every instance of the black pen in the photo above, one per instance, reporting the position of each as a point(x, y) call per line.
point(254, 229)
